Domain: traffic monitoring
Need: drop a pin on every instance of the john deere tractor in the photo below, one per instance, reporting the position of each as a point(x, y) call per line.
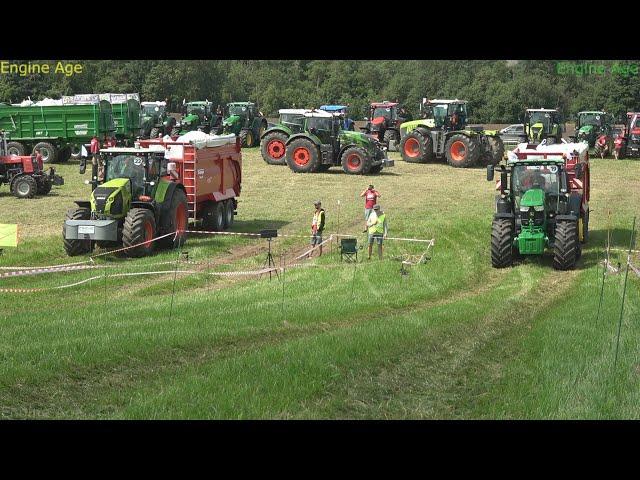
point(155, 121)
point(131, 203)
point(543, 124)
point(590, 125)
point(384, 123)
point(198, 116)
point(443, 132)
point(273, 140)
point(323, 144)
point(541, 206)
point(245, 121)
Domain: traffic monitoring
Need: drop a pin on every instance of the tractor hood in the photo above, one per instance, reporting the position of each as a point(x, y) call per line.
point(378, 121)
point(189, 119)
point(532, 198)
point(111, 198)
point(231, 120)
point(586, 129)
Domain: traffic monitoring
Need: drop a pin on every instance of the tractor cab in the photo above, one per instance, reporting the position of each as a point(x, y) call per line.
point(151, 109)
point(196, 116)
point(292, 119)
point(446, 114)
point(348, 124)
point(384, 122)
point(590, 125)
point(155, 120)
point(239, 115)
point(541, 124)
point(324, 125)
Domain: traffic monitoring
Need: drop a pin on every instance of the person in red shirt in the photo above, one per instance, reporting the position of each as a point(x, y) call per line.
point(371, 196)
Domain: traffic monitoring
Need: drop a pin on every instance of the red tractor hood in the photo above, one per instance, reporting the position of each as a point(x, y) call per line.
point(635, 131)
point(378, 120)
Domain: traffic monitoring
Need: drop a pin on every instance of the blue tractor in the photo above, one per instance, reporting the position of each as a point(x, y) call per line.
point(348, 124)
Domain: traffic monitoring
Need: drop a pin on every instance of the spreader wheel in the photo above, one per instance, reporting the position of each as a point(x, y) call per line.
point(176, 219)
point(213, 217)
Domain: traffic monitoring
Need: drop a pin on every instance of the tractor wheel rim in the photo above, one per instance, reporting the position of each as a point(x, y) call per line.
point(411, 148)
point(148, 234)
point(275, 148)
point(354, 161)
point(23, 188)
point(458, 150)
point(45, 154)
point(249, 138)
point(301, 156)
point(13, 151)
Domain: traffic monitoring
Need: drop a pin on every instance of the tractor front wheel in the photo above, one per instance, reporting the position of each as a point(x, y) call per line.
point(302, 156)
point(461, 151)
point(24, 186)
point(501, 243)
point(496, 151)
point(44, 185)
point(417, 147)
point(272, 148)
point(76, 247)
point(138, 232)
point(154, 132)
point(356, 160)
point(390, 138)
point(246, 138)
point(566, 246)
point(176, 219)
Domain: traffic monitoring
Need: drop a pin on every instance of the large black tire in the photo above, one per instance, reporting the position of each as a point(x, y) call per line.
point(139, 226)
point(175, 132)
point(417, 147)
point(272, 148)
point(228, 213)
point(44, 185)
point(24, 186)
point(15, 148)
point(154, 132)
point(49, 152)
point(496, 151)
point(76, 151)
point(213, 217)
point(501, 243)
point(566, 247)
point(247, 138)
point(176, 218)
point(356, 161)
point(302, 156)
point(461, 151)
point(76, 247)
point(390, 135)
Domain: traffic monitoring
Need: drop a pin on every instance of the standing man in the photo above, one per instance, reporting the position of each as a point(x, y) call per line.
point(317, 226)
point(377, 227)
point(371, 196)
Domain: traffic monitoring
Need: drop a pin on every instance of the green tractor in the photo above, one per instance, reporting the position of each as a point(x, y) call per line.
point(155, 121)
point(131, 203)
point(590, 125)
point(246, 121)
point(543, 203)
point(443, 132)
point(273, 140)
point(543, 124)
point(197, 116)
point(323, 144)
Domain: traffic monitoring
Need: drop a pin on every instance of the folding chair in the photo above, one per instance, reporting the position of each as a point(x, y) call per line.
point(349, 249)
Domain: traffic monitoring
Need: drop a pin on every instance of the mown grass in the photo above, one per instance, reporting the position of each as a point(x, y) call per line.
point(453, 339)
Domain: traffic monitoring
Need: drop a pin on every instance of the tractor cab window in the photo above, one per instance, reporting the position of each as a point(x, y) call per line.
point(544, 177)
point(153, 109)
point(127, 166)
point(291, 119)
point(238, 110)
point(591, 119)
point(439, 114)
point(322, 127)
point(382, 112)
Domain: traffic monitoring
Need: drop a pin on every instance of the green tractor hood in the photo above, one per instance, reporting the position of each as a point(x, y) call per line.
point(112, 198)
point(189, 119)
point(533, 198)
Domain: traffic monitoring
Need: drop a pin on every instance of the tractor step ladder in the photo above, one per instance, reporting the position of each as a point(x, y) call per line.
point(440, 144)
point(189, 181)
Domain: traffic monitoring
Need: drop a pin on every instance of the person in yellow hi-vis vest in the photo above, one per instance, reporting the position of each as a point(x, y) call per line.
point(377, 228)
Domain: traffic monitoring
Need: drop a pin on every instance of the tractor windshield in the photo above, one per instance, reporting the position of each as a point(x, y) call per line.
point(440, 114)
point(540, 117)
point(291, 119)
point(196, 109)
point(545, 177)
point(591, 119)
point(132, 167)
point(382, 112)
point(238, 110)
point(319, 123)
point(153, 109)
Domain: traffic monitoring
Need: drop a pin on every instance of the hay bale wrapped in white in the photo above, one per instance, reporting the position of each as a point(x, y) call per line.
point(201, 139)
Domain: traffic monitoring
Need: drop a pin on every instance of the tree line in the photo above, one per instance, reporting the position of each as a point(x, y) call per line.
point(497, 90)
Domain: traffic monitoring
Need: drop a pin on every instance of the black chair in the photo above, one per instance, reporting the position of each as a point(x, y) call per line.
point(349, 249)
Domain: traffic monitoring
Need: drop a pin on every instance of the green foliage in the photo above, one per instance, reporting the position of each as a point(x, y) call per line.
point(498, 90)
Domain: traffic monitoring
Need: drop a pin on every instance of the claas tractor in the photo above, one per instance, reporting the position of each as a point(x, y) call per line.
point(245, 121)
point(543, 203)
point(443, 132)
point(273, 140)
point(590, 125)
point(25, 174)
point(323, 144)
point(155, 121)
point(348, 124)
point(384, 123)
point(197, 116)
point(543, 124)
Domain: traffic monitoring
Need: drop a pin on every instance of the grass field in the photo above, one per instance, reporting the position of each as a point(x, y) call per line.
point(453, 339)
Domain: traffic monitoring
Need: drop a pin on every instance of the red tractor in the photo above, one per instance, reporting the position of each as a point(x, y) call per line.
point(25, 174)
point(627, 143)
point(384, 123)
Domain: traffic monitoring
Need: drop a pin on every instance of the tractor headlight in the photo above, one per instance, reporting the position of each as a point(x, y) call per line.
point(539, 208)
point(524, 209)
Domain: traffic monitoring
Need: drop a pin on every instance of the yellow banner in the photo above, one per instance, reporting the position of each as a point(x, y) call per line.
point(8, 235)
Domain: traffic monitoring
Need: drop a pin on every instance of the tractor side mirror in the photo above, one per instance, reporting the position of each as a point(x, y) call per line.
point(490, 172)
point(83, 166)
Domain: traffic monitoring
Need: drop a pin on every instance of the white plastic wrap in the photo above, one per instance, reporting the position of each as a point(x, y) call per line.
point(201, 139)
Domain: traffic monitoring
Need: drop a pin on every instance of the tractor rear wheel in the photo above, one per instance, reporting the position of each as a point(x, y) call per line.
point(501, 243)
point(15, 148)
point(154, 132)
point(228, 213)
point(496, 151)
point(355, 160)
point(390, 138)
point(176, 218)
point(76, 247)
point(64, 154)
point(49, 152)
point(213, 217)
point(566, 246)
point(417, 147)
point(246, 138)
point(139, 229)
point(461, 151)
point(24, 186)
point(44, 185)
point(272, 148)
point(302, 156)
